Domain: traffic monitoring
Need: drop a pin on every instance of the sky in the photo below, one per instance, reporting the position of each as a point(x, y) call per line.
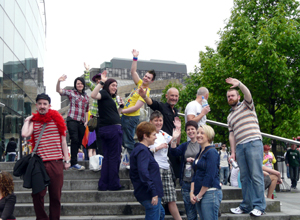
point(95, 31)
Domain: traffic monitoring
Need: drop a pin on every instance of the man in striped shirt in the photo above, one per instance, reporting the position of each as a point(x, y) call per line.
point(52, 148)
point(247, 148)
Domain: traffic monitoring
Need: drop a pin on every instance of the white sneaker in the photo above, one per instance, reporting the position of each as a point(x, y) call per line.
point(237, 210)
point(128, 167)
point(256, 212)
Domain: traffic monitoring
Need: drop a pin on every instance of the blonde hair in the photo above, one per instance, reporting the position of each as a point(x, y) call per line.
point(209, 131)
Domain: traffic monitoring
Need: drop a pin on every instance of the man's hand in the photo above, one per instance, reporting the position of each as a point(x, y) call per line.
point(62, 78)
point(234, 82)
point(190, 159)
point(193, 198)
point(177, 122)
point(142, 92)
point(28, 118)
point(67, 165)
point(87, 67)
point(154, 200)
point(135, 53)
point(231, 156)
point(205, 110)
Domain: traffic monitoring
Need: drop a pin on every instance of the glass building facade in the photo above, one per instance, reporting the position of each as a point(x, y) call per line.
point(22, 47)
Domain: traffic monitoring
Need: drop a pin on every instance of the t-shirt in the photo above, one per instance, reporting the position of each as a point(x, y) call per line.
point(194, 108)
point(107, 109)
point(223, 159)
point(133, 98)
point(161, 156)
point(191, 151)
point(293, 157)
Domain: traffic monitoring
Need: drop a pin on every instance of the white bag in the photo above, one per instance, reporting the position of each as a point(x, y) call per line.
point(96, 162)
point(124, 160)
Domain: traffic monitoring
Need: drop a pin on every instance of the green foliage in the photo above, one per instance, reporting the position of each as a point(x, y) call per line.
point(260, 46)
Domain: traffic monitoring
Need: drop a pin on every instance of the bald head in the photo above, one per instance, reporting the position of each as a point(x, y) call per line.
point(172, 96)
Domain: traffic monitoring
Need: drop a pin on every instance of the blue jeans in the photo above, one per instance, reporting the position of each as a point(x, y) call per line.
point(129, 124)
point(154, 212)
point(190, 209)
point(208, 207)
point(224, 171)
point(294, 174)
point(249, 157)
point(11, 157)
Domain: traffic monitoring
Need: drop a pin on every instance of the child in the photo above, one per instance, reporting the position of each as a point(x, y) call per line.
point(160, 151)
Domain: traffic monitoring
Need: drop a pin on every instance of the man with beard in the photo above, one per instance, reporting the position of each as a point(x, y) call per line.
point(246, 146)
point(52, 148)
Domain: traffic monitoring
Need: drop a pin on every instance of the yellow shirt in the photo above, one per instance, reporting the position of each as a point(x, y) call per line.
point(133, 98)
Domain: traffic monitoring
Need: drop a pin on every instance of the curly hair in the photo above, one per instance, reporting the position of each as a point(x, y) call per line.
point(6, 183)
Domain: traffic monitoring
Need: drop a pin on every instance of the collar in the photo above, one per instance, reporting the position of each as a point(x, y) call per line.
point(232, 109)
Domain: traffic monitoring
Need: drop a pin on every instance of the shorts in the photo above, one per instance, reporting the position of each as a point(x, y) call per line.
point(168, 186)
point(267, 181)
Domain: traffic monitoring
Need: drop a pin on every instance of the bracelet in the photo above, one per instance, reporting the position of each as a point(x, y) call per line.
point(198, 199)
point(239, 84)
point(135, 58)
point(174, 141)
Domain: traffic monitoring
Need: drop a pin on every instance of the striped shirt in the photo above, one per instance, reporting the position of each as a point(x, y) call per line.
point(243, 122)
point(50, 144)
point(79, 104)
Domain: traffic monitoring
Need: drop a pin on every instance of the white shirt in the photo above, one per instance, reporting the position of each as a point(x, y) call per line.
point(161, 156)
point(194, 108)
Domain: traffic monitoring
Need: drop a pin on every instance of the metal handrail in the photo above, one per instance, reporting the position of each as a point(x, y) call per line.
point(263, 134)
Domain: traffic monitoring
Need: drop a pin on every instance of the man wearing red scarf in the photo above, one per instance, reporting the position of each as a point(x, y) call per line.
point(52, 149)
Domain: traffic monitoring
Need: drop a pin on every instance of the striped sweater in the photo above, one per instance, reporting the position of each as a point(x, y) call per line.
point(243, 122)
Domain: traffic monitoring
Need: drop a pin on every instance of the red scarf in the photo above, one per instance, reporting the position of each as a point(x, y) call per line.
point(50, 115)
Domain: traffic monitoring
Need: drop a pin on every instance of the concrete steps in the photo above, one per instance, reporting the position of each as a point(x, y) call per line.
point(81, 200)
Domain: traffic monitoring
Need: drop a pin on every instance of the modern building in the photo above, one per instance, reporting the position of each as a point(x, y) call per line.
point(22, 47)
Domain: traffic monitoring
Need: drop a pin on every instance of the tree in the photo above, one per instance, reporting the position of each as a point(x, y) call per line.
point(260, 46)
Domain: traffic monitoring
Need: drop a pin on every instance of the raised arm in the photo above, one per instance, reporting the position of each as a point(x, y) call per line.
point(134, 74)
point(27, 128)
point(60, 79)
point(143, 94)
point(95, 93)
point(87, 80)
point(236, 83)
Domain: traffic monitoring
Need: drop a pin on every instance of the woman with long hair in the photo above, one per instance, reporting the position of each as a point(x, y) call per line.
point(7, 196)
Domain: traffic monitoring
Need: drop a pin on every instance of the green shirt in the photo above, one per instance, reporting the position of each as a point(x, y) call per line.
point(293, 157)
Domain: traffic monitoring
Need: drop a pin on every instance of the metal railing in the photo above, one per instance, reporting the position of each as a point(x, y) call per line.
point(263, 134)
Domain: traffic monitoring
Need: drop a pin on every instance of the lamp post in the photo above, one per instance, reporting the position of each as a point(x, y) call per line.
point(2, 147)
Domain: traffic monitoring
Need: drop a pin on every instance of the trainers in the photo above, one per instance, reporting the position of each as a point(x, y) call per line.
point(256, 212)
point(128, 167)
point(77, 167)
point(237, 210)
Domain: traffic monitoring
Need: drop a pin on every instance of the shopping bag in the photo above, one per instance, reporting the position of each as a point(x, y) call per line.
point(124, 160)
point(95, 162)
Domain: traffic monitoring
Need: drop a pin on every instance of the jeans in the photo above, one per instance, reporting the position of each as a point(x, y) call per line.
point(249, 157)
point(11, 157)
point(76, 131)
point(190, 209)
point(129, 124)
point(224, 171)
point(208, 207)
point(294, 174)
point(153, 212)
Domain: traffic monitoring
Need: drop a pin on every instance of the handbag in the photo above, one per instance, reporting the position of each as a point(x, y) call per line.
point(21, 165)
point(92, 124)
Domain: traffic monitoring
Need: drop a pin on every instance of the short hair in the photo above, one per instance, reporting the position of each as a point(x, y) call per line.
point(12, 139)
point(230, 90)
point(144, 128)
point(43, 96)
point(202, 91)
point(191, 123)
point(156, 114)
point(209, 131)
point(153, 74)
point(170, 89)
point(6, 183)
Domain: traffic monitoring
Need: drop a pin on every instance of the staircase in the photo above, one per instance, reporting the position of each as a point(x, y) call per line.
point(81, 200)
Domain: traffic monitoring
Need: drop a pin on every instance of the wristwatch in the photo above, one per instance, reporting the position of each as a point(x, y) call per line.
point(67, 161)
point(101, 83)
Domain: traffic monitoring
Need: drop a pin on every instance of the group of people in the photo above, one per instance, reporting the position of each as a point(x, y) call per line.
point(158, 151)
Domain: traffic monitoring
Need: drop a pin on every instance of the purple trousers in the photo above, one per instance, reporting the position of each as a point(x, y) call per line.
point(111, 137)
point(55, 170)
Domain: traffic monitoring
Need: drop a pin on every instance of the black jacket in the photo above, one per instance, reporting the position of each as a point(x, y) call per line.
point(11, 147)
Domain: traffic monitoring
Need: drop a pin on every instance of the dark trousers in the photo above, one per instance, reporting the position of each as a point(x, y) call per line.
point(54, 169)
point(294, 174)
point(76, 132)
point(112, 146)
point(99, 142)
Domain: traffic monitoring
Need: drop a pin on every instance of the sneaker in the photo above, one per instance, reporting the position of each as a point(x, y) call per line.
point(128, 167)
point(237, 210)
point(77, 167)
point(256, 212)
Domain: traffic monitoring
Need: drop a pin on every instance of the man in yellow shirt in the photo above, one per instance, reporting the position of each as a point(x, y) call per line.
point(133, 103)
